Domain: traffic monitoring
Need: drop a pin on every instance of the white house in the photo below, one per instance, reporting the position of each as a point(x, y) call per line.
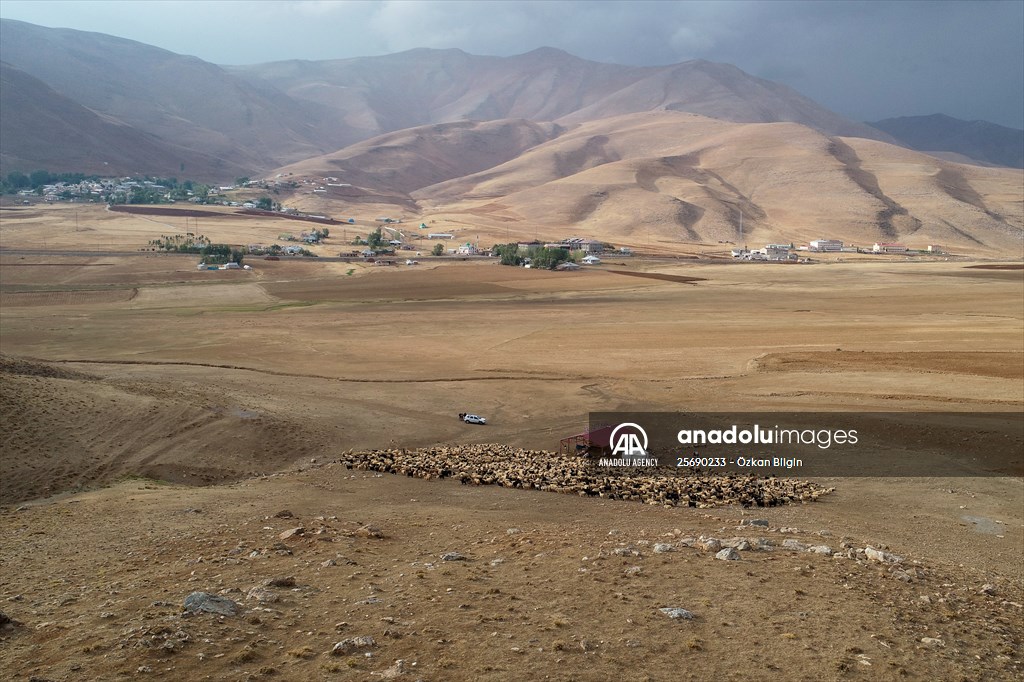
point(826, 245)
point(467, 249)
point(888, 248)
point(590, 260)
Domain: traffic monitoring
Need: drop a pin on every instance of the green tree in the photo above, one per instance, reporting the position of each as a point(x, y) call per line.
point(508, 253)
point(18, 180)
point(375, 239)
point(265, 203)
point(241, 181)
point(548, 258)
point(39, 178)
point(216, 253)
point(325, 233)
point(438, 249)
point(237, 256)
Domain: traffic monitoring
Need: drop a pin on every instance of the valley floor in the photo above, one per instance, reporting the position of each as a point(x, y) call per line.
point(159, 421)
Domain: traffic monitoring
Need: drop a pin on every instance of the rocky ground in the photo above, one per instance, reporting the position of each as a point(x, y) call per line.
point(328, 572)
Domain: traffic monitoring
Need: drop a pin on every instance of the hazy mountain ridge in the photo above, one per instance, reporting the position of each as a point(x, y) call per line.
point(43, 129)
point(978, 140)
point(183, 100)
point(263, 116)
point(436, 86)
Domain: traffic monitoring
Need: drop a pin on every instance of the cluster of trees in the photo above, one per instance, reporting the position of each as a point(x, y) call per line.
point(375, 240)
point(539, 256)
point(16, 180)
point(221, 253)
point(181, 243)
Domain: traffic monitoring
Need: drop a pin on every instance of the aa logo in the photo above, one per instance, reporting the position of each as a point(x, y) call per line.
point(629, 440)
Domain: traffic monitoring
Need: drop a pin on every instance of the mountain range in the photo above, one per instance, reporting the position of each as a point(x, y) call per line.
point(978, 140)
point(543, 139)
point(263, 116)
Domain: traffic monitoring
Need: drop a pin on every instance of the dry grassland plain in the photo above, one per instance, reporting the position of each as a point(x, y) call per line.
point(156, 419)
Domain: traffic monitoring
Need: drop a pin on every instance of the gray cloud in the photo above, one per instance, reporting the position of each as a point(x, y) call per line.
point(866, 60)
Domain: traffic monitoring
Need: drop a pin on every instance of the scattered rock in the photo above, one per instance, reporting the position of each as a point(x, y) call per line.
point(284, 514)
point(452, 556)
point(633, 570)
point(353, 644)
point(763, 523)
point(880, 556)
point(394, 671)
point(790, 543)
point(662, 547)
point(933, 641)
point(728, 554)
point(676, 613)
point(292, 532)
point(513, 531)
point(902, 576)
point(820, 549)
point(988, 589)
point(742, 546)
point(280, 581)
point(369, 531)
point(211, 603)
point(711, 545)
point(262, 595)
point(626, 551)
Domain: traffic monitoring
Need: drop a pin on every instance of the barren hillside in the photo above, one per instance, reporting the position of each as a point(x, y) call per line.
point(41, 128)
point(266, 115)
point(182, 100)
point(676, 177)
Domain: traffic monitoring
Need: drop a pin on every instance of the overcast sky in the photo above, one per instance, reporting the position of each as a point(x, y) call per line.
point(865, 60)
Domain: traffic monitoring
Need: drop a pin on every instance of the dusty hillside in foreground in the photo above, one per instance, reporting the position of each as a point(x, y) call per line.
point(542, 585)
point(70, 428)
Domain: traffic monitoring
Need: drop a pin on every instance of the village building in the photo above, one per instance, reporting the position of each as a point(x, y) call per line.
point(888, 248)
point(826, 245)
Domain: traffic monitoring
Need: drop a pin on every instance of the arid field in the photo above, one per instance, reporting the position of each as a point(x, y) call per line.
point(163, 428)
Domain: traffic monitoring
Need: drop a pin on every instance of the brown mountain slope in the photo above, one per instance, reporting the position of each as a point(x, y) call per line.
point(41, 128)
point(183, 100)
point(686, 178)
point(411, 159)
point(678, 178)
